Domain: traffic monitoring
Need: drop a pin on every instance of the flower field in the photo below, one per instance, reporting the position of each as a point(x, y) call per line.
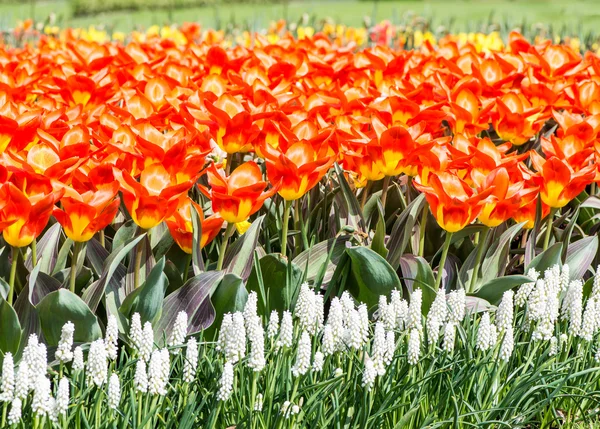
point(345, 228)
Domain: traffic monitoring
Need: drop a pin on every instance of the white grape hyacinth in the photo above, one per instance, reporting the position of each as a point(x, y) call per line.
point(457, 303)
point(14, 416)
point(140, 378)
point(380, 348)
point(414, 346)
point(7, 382)
point(40, 404)
point(273, 325)
point(256, 360)
point(302, 364)
point(369, 374)
point(63, 352)
point(505, 311)
point(235, 339)
point(158, 372)
point(508, 344)
point(112, 337)
point(63, 397)
point(449, 337)
point(78, 363)
point(414, 310)
point(190, 365)
point(147, 343)
point(114, 392)
point(286, 331)
point(306, 310)
point(136, 334)
point(97, 364)
point(22, 381)
point(318, 361)
point(226, 383)
point(179, 332)
point(486, 336)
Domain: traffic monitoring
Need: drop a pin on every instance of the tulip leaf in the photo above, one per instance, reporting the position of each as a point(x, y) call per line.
point(148, 298)
point(197, 262)
point(403, 230)
point(124, 234)
point(271, 281)
point(4, 288)
point(240, 255)
point(11, 329)
point(474, 305)
point(62, 306)
point(355, 217)
point(565, 237)
point(496, 259)
point(370, 275)
point(192, 298)
point(146, 266)
point(417, 274)
point(378, 243)
point(548, 258)
point(47, 250)
point(580, 256)
point(229, 296)
point(320, 261)
point(493, 290)
point(63, 255)
point(28, 316)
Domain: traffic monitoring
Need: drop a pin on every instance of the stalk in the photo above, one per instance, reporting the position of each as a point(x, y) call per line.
point(438, 279)
point(284, 229)
point(480, 248)
point(102, 238)
point(34, 252)
point(386, 184)
point(366, 189)
point(137, 266)
point(549, 228)
point(223, 247)
point(13, 275)
point(73, 277)
point(422, 227)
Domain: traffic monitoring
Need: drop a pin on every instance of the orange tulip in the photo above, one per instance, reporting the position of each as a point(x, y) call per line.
point(298, 169)
point(180, 226)
point(83, 215)
point(29, 200)
point(558, 183)
point(238, 196)
point(453, 203)
point(155, 197)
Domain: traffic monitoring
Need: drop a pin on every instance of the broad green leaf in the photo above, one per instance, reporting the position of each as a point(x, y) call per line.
point(496, 259)
point(11, 329)
point(274, 276)
point(567, 233)
point(378, 243)
point(229, 296)
point(474, 304)
point(580, 256)
point(47, 250)
point(148, 301)
point(124, 234)
point(322, 259)
point(197, 262)
point(493, 290)
point(240, 254)
point(548, 258)
point(62, 306)
point(4, 288)
point(370, 275)
point(146, 266)
point(355, 217)
point(191, 298)
point(402, 230)
point(417, 274)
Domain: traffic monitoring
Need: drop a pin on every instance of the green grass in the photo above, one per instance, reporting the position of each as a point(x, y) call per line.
point(574, 16)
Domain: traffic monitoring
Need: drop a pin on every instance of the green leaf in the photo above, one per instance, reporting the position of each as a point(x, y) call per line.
point(47, 250)
point(402, 230)
point(321, 260)
point(148, 298)
point(274, 275)
point(493, 290)
point(417, 274)
point(370, 275)
point(124, 234)
point(240, 255)
point(62, 306)
point(355, 217)
point(4, 288)
point(496, 259)
point(580, 256)
point(11, 329)
point(191, 298)
point(548, 258)
point(474, 304)
point(230, 296)
point(378, 243)
point(197, 262)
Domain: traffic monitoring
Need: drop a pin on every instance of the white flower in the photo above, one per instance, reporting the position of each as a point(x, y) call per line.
point(508, 344)
point(387, 313)
point(449, 337)
point(136, 335)
point(112, 337)
point(78, 364)
point(380, 348)
point(354, 335)
point(414, 346)
point(158, 372)
point(52, 411)
point(140, 379)
point(363, 313)
point(224, 331)
point(14, 416)
point(457, 305)
point(256, 360)
point(97, 363)
point(369, 373)
point(305, 310)
point(564, 278)
point(319, 311)
point(41, 396)
point(286, 332)
point(226, 383)
point(390, 346)
point(7, 383)
point(273, 326)
point(147, 344)
point(553, 346)
point(347, 304)
point(235, 339)
point(596, 284)
point(295, 409)
point(251, 307)
point(573, 307)
point(588, 327)
point(414, 310)
point(597, 355)
point(485, 333)
point(258, 403)
point(505, 312)
point(338, 372)
point(190, 365)
point(302, 364)
point(114, 392)
point(63, 352)
point(35, 356)
point(286, 409)
point(328, 343)
point(179, 331)
point(436, 316)
point(401, 310)
point(62, 397)
point(22, 381)
point(318, 361)
point(335, 321)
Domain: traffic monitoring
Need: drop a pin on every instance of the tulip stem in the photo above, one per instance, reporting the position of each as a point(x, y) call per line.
point(422, 226)
point(549, 228)
point(386, 184)
point(480, 249)
point(365, 194)
point(34, 252)
point(438, 279)
point(102, 239)
point(223, 248)
point(13, 275)
point(76, 249)
point(284, 227)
